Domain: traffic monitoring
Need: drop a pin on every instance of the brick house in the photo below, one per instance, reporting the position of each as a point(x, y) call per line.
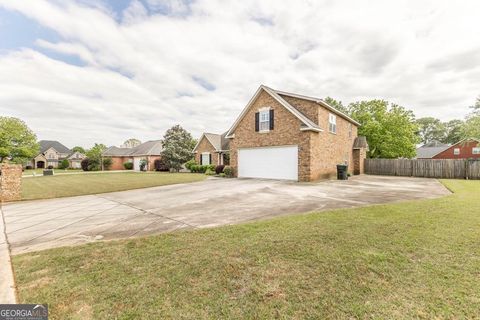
point(281, 135)
point(464, 149)
point(52, 153)
point(212, 148)
point(148, 151)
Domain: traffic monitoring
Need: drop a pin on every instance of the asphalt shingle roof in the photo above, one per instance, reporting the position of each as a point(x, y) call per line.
point(149, 148)
point(47, 144)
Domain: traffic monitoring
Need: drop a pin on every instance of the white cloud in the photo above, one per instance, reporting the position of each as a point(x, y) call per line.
point(197, 63)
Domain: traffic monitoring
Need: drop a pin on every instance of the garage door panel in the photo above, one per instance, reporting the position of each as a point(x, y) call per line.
point(268, 163)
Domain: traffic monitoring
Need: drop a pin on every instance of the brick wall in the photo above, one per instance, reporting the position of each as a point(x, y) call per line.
point(359, 156)
point(206, 146)
point(10, 182)
point(329, 149)
point(286, 132)
point(466, 151)
point(318, 153)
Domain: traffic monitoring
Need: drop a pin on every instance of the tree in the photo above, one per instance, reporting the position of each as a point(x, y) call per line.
point(390, 129)
point(96, 151)
point(18, 143)
point(337, 105)
point(453, 130)
point(431, 129)
point(78, 149)
point(64, 164)
point(476, 107)
point(471, 128)
point(107, 163)
point(94, 156)
point(131, 143)
point(177, 147)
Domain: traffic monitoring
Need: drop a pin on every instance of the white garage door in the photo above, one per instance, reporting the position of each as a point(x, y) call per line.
point(268, 163)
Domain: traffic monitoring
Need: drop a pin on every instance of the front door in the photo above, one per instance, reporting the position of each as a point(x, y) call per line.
point(40, 164)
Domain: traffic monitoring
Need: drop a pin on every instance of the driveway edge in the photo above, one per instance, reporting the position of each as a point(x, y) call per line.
point(7, 282)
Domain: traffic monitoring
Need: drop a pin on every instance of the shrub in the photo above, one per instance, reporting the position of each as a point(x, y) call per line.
point(64, 164)
point(160, 165)
point(128, 165)
point(107, 163)
point(228, 171)
point(50, 167)
point(85, 164)
point(189, 164)
point(222, 175)
point(211, 167)
point(209, 172)
point(219, 169)
point(143, 165)
point(29, 167)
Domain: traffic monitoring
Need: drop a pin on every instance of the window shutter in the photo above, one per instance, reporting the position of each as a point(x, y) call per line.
point(201, 159)
point(210, 158)
point(271, 119)
point(257, 121)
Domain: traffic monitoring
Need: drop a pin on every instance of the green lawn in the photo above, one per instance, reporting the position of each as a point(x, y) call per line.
point(39, 172)
point(410, 260)
point(92, 183)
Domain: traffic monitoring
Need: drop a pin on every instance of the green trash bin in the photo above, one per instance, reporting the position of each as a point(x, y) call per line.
point(342, 172)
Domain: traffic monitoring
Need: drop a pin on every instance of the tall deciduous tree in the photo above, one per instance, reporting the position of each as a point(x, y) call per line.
point(17, 142)
point(337, 105)
point(131, 143)
point(471, 128)
point(78, 149)
point(177, 147)
point(431, 129)
point(454, 129)
point(94, 156)
point(390, 129)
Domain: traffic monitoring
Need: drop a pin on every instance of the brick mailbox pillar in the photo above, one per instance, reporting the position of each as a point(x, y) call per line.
point(360, 148)
point(10, 182)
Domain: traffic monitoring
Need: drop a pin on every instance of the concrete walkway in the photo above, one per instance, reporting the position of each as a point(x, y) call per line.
point(42, 224)
point(7, 284)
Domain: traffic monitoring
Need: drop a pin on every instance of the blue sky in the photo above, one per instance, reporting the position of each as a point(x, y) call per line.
point(90, 71)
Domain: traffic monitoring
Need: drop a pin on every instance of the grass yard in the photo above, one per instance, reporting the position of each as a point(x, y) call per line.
point(92, 183)
point(39, 172)
point(418, 259)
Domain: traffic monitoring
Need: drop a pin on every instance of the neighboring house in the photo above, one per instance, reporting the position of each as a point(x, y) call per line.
point(282, 135)
point(212, 148)
point(51, 153)
point(75, 160)
point(464, 149)
point(149, 151)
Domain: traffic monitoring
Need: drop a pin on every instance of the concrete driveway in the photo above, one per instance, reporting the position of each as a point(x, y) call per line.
point(42, 224)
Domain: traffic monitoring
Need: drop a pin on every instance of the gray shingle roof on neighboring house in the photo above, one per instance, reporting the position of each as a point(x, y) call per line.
point(218, 141)
point(47, 144)
point(149, 148)
point(429, 152)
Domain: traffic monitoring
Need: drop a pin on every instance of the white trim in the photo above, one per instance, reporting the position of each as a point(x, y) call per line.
point(200, 140)
point(310, 125)
point(319, 101)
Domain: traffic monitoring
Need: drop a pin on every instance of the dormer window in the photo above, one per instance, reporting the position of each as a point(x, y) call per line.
point(332, 123)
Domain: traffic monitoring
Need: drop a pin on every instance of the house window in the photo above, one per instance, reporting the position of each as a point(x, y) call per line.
point(264, 122)
point(205, 158)
point(332, 123)
point(456, 151)
point(476, 150)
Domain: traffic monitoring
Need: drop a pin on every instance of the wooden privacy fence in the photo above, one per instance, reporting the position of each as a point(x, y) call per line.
point(427, 168)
